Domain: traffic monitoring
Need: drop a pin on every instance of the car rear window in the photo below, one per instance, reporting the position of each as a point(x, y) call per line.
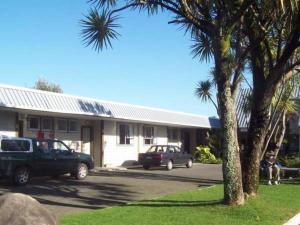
point(158, 149)
point(15, 145)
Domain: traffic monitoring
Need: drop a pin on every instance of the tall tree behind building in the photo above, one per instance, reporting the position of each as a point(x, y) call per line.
point(44, 85)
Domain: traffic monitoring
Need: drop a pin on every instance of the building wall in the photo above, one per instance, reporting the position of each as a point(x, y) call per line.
point(114, 154)
point(8, 123)
point(72, 139)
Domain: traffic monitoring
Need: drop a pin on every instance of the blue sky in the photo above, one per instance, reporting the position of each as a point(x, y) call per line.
point(149, 65)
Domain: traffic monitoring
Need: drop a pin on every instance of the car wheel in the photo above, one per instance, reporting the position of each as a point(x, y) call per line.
point(21, 176)
point(169, 165)
point(189, 163)
point(82, 171)
point(146, 167)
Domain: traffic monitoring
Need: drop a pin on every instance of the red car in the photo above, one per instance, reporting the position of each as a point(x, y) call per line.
point(165, 155)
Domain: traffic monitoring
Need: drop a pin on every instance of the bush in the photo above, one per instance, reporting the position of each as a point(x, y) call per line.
point(203, 154)
point(292, 162)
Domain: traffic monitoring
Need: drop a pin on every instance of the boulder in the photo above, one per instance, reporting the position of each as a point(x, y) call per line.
point(20, 209)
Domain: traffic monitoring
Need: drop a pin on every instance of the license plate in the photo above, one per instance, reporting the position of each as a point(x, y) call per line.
point(148, 157)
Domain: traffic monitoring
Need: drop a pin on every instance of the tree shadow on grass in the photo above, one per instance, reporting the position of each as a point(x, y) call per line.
point(175, 203)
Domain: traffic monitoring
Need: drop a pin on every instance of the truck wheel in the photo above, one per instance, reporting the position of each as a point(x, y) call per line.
point(81, 172)
point(21, 176)
point(189, 163)
point(146, 167)
point(169, 165)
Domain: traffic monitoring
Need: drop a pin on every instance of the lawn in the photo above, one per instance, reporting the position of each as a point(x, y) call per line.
point(275, 205)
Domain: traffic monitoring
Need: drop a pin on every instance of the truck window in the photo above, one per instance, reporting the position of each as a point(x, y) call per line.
point(60, 146)
point(15, 145)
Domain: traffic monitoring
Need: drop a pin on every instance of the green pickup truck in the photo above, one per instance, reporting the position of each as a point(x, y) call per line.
point(22, 158)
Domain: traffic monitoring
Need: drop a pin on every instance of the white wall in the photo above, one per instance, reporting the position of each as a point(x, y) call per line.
point(8, 123)
point(116, 154)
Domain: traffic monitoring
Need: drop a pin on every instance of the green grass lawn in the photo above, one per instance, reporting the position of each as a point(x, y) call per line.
point(275, 205)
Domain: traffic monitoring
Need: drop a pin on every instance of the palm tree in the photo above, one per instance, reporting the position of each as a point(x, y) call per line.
point(214, 21)
point(204, 92)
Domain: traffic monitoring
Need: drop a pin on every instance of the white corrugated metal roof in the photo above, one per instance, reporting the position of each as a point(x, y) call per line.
point(242, 117)
point(36, 100)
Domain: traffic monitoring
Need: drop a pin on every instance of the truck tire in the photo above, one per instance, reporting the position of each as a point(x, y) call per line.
point(81, 171)
point(21, 176)
point(169, 165)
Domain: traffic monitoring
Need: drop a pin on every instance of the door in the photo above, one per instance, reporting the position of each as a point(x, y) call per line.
point(21, 128)
point(87, 141)
point(186, 142)
point(44, 159)
point(65, 159)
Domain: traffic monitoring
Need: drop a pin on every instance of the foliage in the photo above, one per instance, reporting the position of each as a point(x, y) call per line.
point(215, 143)
point(275, 205)
point(203, 154)
point(44, 85)
point(292, 162)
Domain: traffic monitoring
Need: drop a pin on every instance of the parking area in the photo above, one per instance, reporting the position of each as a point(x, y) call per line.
point(108, 188)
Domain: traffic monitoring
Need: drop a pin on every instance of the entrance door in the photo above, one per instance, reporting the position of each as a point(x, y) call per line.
point(186, 142)
point(87, 141)
point(21, 128)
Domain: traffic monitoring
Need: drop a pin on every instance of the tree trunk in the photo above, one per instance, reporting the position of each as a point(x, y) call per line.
point(262, 99)
point(233, 189)
point(280, 135)
point(270, 133)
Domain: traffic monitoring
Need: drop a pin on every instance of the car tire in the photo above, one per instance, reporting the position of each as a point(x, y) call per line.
point(81, 171)
point(169, 165)
point(21, 176)
point(189, 163)
point(146, 167)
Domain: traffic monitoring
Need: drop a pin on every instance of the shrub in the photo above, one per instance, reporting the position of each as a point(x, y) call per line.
point(203, 154)
point(292, 162)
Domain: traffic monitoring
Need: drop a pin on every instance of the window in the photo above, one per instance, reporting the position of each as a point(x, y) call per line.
point(148, 135)
point(61, 125)
point(162, 148)
point(43, 146)
point(173, 134)
point(125, 134)
point(73, 125)
point(59, 146)
point(47, 124)
point(33, 123)
point(15, 145)
point(177, 149)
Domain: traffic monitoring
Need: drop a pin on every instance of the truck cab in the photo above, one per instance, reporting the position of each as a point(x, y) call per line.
point(22, 158)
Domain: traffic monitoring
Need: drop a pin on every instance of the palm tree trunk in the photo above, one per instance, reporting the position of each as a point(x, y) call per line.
point(233, 189)
point(270, 134)
point(280, 136)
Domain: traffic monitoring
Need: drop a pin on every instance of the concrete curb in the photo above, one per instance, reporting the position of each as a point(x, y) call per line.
point(294, 221)
point(97, 169)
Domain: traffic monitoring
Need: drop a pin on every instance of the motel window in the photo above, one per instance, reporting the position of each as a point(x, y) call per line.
point(47, 124)
point(173, 134)
point(148, 135)
point(33, 123)
point(62, 125)
point(73, 125)
point(125, 134)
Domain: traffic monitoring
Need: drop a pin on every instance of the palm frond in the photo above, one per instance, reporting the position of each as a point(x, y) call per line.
point(202, 47)
point(103, 3)
point(203, 90)
point(99, 29)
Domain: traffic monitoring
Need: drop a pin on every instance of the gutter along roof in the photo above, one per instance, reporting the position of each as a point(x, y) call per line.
point(36, 100)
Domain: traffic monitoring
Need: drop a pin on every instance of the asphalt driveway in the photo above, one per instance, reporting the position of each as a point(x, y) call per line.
point(108, 188)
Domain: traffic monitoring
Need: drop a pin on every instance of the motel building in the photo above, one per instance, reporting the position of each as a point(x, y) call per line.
point(113, 133)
